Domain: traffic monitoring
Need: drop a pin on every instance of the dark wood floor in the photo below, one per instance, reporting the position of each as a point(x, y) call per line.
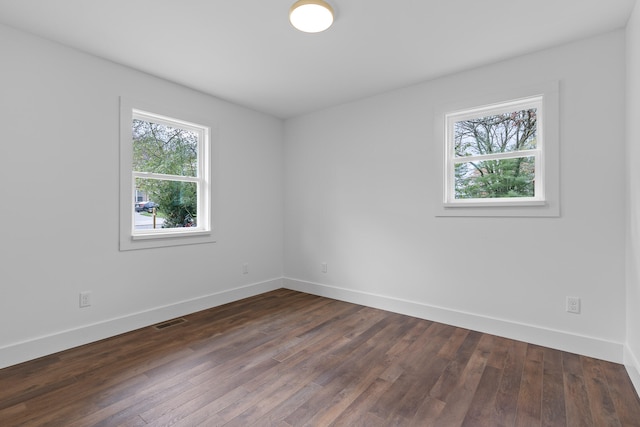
point(286, 358)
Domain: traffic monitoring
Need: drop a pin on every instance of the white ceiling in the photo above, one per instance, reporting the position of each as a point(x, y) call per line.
point(245, 51)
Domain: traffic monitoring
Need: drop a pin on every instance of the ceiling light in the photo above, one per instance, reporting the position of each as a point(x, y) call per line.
point(311, 16)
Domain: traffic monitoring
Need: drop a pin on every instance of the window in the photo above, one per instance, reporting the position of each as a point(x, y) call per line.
point(165, 179)
point(494, 154)
point(501, 158)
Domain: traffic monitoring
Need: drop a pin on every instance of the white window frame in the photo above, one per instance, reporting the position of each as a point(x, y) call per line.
point(545, 202)
point(451, 160)
point(130, 238)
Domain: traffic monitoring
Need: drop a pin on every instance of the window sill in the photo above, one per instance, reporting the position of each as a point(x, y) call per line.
point(160, 240)
point(170, 234)
point(492, 203)
point(529, 209)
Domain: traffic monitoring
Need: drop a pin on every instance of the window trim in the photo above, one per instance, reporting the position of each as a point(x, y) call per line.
point(546, 202)
point(131, 239)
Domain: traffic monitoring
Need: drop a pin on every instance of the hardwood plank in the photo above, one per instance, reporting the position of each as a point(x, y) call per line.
point(604, 412)
point(420, 366)
point(13, 411)
point(423, 347)
point(499, 352)
point(505, 410)
point(403, 345)
point(133, 422)
point(192, 403)
point(309, 336)
point(255, 408)
point(450, 348)
point(459, 399)
point(419, 384)
point(422, 371)
point(360, 408)
point(367, 420)
point(553, 406)
point(481, 407)
point(625, 398)
point(286, 359)
point(450, 378)
point(429, 409)
point(575, 391)
point(484, 400)
point(529, 408)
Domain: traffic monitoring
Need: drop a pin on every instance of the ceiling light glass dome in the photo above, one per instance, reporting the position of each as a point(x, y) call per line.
point(311, 16)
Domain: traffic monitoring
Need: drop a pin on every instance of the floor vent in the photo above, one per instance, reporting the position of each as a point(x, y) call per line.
point(169, 323)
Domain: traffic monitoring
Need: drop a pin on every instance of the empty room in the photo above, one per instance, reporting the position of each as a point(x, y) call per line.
point(314, 213)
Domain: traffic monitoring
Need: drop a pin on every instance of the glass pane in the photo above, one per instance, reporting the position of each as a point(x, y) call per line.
point(164, 149)
point(501, 133)
point(172, 204)
point(495, 178)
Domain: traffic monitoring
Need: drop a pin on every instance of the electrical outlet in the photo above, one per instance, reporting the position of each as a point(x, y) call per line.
point(324, 267)
point(573, 305)
point(85, 299)
point(245, 268)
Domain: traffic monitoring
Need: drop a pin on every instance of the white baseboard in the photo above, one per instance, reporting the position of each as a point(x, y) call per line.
point(632, 363)
point(53, 343)
point(565, 341)
point(589, 346)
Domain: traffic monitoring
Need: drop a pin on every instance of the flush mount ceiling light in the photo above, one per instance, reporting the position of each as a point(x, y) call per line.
point(311, 16)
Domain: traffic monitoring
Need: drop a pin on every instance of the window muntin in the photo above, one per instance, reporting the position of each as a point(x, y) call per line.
point(494, 154)
point(169, 167)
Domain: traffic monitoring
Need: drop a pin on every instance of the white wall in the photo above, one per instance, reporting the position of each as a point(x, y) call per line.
point(360, 195)
point(59, 204)
point(632, 354)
